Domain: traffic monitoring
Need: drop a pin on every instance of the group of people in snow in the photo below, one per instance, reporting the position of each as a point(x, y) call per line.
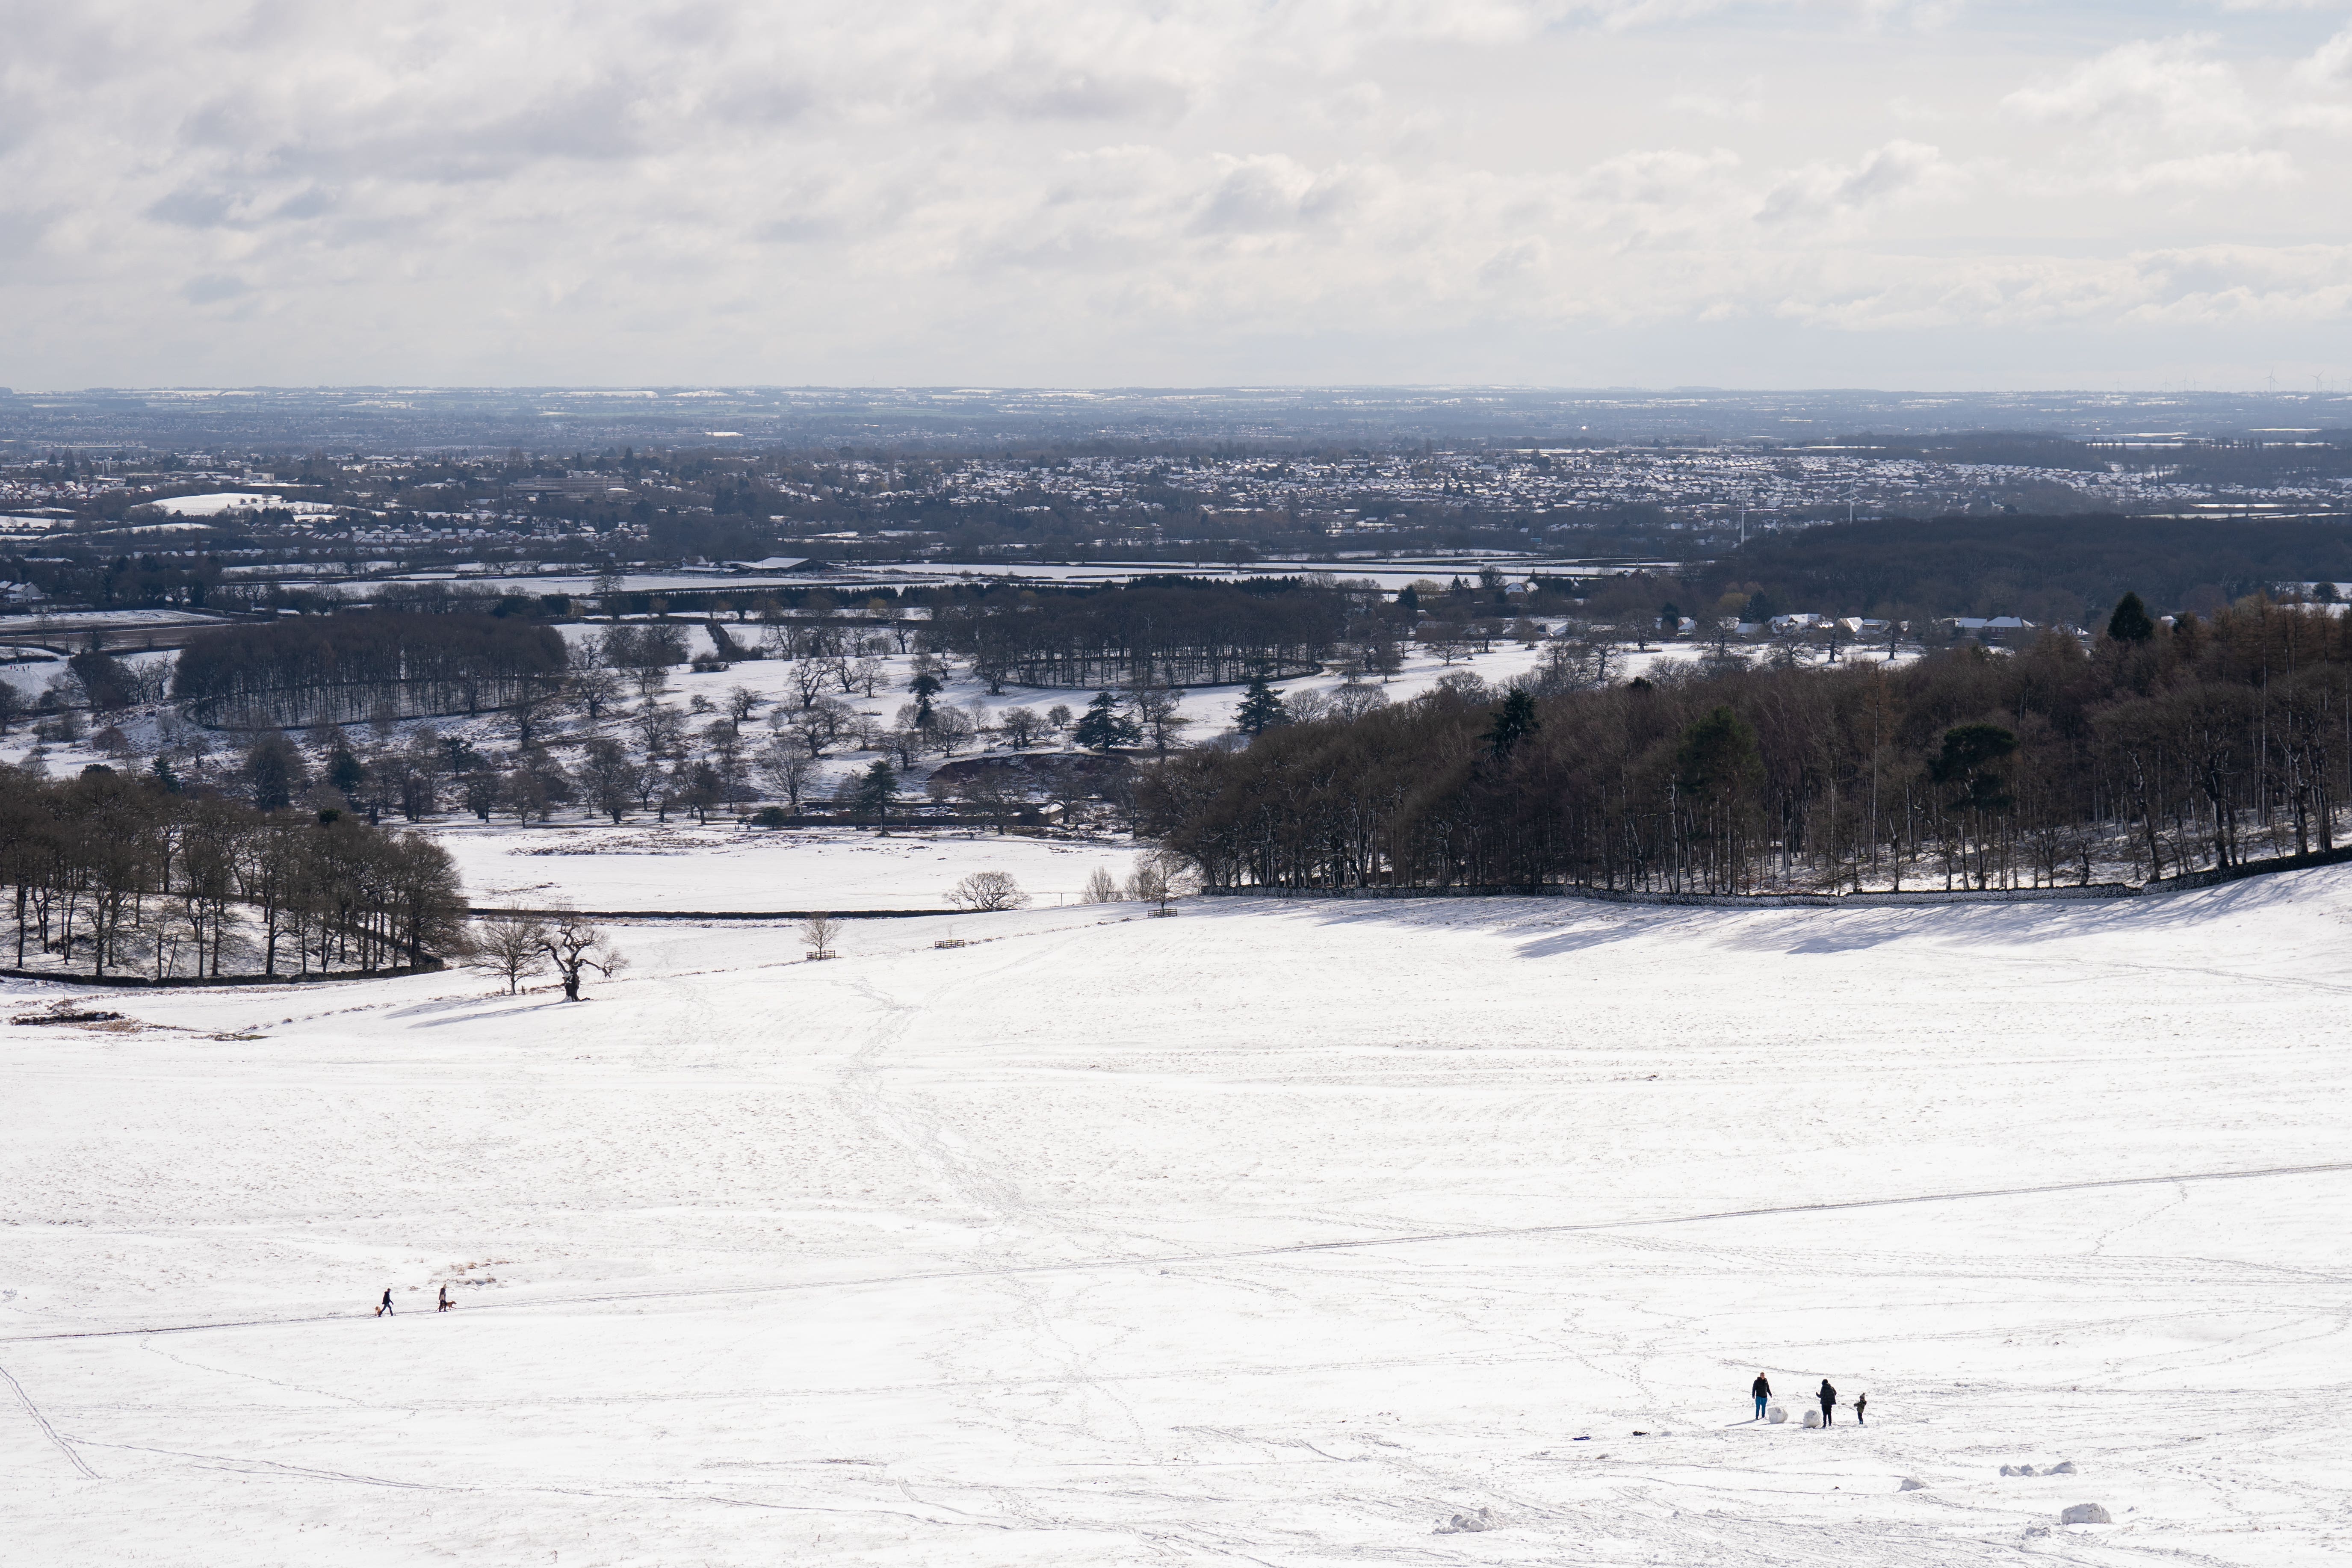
point(1763, 1390)
point(384, 1307)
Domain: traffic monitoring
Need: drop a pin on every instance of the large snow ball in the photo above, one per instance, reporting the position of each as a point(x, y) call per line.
point(1912, 1484)
point(1812, 1418)
point(2065, 1468)
point(1775, 1414)
point(2085, 1513)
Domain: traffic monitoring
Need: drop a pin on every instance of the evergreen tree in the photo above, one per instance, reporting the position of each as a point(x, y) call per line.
point(167, 777)
point(1407, 599)
point(1967, 763)
point(2130, 623)
point(875, 787)
point(925, 685)
point(1515, 720)
point(343, 771)
point(1261, 708)
point(1102, 726)
point(1670, 619)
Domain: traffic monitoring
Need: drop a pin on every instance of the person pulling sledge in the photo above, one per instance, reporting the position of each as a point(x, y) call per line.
point(1828, 1401)
point(1763, 1390)
point(384, 1307)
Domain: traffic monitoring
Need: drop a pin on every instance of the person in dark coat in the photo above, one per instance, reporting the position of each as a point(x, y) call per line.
point(1763, 1393)
point(1828, 1401)
point(384, 1307)
point(1861, 1403)
point(446, 1302)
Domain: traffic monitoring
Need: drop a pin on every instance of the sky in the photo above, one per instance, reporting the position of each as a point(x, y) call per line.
point(1952, 194)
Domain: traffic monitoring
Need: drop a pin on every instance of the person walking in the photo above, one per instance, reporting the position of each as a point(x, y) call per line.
point(1828, 1401)
point(384, 1307)
point(1763, 1393)
point(1861, 1403)
point(446, 1302)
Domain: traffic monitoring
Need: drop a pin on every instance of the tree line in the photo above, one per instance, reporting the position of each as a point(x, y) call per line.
point(114, 873)
point(2156, 751)
point(1164, 632)
point(334, 669)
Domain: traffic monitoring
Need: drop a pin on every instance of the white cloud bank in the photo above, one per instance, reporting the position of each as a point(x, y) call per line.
point(1214, 191)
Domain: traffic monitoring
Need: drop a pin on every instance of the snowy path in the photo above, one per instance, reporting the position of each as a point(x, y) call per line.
point(1273, 1234)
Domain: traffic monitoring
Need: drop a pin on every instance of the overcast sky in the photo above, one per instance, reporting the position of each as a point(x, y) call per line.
point(1187, 192)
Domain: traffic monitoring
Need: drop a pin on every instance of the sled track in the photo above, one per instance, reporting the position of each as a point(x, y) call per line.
point(42, 1421)
point(1242, 1254)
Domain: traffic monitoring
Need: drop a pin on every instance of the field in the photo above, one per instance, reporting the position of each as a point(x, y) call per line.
point(1276, 1233)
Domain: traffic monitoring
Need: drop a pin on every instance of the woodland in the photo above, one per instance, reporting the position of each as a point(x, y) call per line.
point(2158, 750)
point(112, 873)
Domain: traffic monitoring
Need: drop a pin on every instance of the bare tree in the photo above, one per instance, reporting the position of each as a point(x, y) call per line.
point(1102, 887)
point(510, 947)
point(810, 676)
point(1158, 878)
point(986, 891)
point(1021, 726)
point(785, 771)
point(575, 947)
point(951, 728)
point(817, 933)
point(1157, 713)
point(821, 723)
point(740, 704)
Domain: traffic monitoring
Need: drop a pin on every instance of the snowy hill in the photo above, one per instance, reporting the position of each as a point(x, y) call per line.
point(1278, 1233)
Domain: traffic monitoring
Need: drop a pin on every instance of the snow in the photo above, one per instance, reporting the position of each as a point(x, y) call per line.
point(684, 866)
point(1278, 1233)
point(233, 500)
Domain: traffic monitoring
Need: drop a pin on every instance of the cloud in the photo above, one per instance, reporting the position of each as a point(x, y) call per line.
point(2330, 65)
point(1106, 190)
point(2212, 172)
point(1897, 170)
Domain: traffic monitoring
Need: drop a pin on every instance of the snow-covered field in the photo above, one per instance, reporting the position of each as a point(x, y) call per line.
point(682, 867)
point(1278, 1233)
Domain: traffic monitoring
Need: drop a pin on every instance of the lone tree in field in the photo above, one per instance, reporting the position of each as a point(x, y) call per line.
point(1261, 710)
point(1103, 726)
point(985, 891)
point(1102, 887)
point(871, 792)
point(2130, 623)
point(817, 933)
point(512, 947)
point(575, 947)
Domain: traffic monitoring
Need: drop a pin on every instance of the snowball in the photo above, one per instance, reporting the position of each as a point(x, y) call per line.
point(2085, 1513)
point(1812, 1418)
point(2064, 1469)
point(1466, 1524)
point(1774, 1414)
point(2009, 1469)
point(1912, 1484)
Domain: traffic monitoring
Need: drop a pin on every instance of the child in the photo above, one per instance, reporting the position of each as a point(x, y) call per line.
point(1861, 1403)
